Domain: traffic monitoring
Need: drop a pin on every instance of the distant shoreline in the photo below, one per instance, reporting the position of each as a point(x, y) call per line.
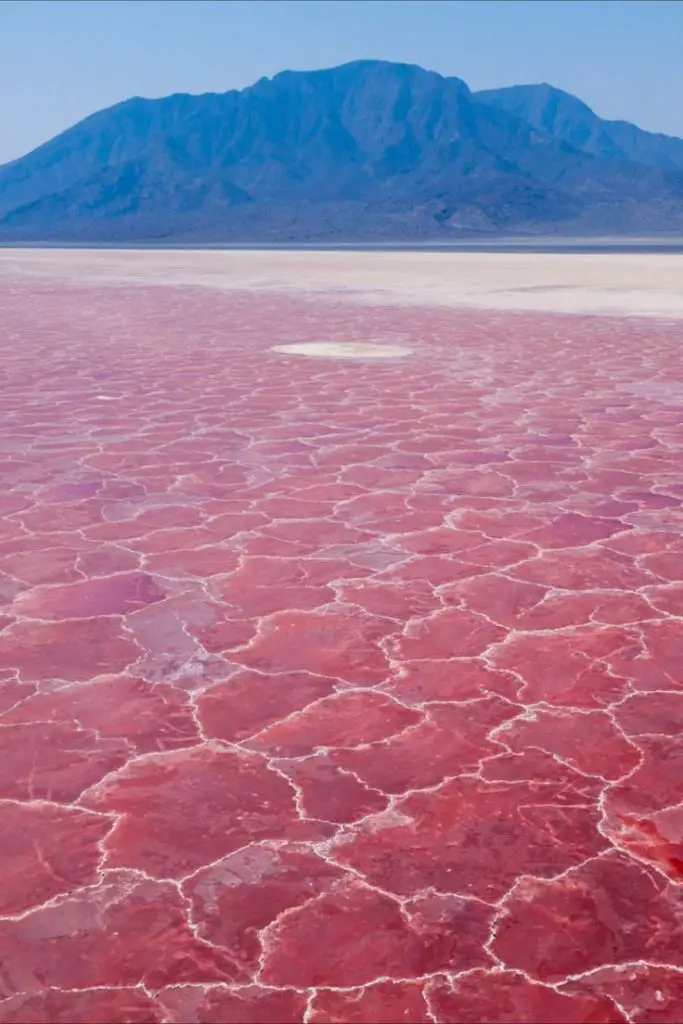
point(644, 284)
point(539, 245)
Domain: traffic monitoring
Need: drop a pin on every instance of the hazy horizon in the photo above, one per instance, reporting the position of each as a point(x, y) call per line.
point(62, 60)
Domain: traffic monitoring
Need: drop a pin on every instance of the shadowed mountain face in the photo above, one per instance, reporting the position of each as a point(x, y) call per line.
point(370, 150)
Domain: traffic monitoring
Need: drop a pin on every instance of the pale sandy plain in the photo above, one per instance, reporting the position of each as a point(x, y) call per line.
point(612, 284)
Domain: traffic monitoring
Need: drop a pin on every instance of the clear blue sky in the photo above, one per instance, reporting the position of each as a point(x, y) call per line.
point(62, 59)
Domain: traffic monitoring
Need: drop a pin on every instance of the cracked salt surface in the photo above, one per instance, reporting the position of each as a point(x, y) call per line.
point(337, 696)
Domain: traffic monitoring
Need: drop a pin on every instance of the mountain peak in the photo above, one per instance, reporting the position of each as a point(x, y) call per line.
point(538, 103)
point(365, 65)
point(566, 117)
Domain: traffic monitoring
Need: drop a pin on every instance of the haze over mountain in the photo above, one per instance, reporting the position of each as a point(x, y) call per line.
point(367, 151)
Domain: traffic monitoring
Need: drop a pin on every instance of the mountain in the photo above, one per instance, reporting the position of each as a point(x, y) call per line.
point(565, 117)
point(367, 151)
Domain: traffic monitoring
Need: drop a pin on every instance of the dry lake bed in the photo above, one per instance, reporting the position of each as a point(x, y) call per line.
point(341, 637)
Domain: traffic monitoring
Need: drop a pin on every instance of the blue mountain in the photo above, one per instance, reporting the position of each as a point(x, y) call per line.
point(371, 150)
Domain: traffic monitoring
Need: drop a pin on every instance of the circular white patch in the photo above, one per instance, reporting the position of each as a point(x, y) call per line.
point(342, 350)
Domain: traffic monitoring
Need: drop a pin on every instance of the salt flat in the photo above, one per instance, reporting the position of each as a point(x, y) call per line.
point(619, 283)
point(340, 689)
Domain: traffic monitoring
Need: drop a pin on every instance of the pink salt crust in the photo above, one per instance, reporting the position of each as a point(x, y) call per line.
point(338, 691)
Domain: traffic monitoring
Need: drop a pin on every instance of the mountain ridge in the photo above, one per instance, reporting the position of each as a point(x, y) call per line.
point(553, 110)
point(369, 150)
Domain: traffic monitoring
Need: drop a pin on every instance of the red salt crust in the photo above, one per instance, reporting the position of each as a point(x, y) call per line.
point(117, 595)
point(386, 1002)
point(328, 791)
point(655, 784)
point(451, 679)
point(567, 668)
point(666, 599)
point(342, 642)
point(231, 1005)
point(55, 760)
point(347, 937)
point(181, 810)
point(346, 720)
point(451, 739)
point(336, 695)
point(586, 569)
point(74, 650)
point(262, 585)
point(244, 893)
point(127, 931)
point(448, 634)
point(474, 838)
point(590, 742)
point(96, 1006)
point(508, 997)
point(145, 717)
point(646, 992)
point(640, 714)
point(552, 929)
point(47, 850)
point(250, 702)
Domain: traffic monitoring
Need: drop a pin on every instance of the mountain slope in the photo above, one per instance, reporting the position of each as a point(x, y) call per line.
point(368, 150)
point(565, 117)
